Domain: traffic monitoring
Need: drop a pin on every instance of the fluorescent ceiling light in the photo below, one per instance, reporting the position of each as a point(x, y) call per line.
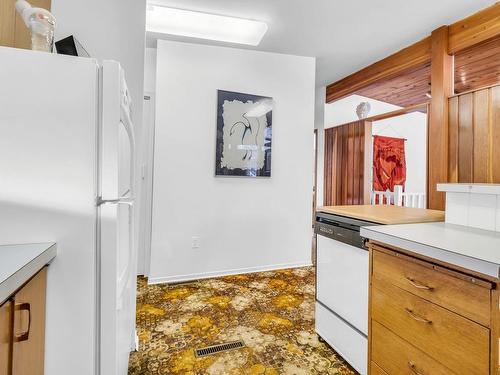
point(204, 25)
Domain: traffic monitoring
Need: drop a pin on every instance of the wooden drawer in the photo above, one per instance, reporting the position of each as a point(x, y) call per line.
point(463, 294)
point(376, 370)
point(397, 357)
point(456, 342)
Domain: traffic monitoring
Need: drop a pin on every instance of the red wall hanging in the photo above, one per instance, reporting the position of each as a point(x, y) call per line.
point(389, 164)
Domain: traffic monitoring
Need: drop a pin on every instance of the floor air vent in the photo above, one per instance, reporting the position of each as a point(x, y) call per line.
point(203, 352)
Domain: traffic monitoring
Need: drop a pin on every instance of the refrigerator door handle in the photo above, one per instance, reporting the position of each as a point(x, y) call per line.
point(123, 200)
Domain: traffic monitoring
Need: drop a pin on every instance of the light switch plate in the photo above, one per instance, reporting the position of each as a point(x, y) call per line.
point(195, 242)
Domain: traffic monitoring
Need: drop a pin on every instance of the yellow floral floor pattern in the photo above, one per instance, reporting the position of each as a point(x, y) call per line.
point(272, 312)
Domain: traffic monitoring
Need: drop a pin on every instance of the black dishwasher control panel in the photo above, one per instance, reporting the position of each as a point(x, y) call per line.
point(341, 228)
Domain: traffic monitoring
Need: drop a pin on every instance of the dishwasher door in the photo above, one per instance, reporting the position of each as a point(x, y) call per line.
point(342, 281)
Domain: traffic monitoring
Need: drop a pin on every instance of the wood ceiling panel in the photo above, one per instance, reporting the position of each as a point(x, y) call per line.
point(404, 90)
point(475, 67)
point(478, 66)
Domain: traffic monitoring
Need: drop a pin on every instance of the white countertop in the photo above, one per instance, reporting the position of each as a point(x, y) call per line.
point(18, 263)
point(471, 248)
point(470, 188)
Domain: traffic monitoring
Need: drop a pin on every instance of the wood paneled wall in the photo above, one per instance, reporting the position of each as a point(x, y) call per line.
point(474, 136)
point(347, 162)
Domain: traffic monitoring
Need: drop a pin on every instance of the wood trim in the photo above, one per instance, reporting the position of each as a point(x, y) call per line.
point(442, 89)
point(407, 59)
point(474, 29)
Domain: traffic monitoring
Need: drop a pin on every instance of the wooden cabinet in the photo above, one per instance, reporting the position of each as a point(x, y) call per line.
point(467, 295)
point(13, 31)
point(427, 317)
point(22, 329)
point(397, 356)
point(6, 314)
point(459, 343)
point(29, 327)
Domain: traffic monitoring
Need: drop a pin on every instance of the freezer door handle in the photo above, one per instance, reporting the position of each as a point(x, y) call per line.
point(123, 200)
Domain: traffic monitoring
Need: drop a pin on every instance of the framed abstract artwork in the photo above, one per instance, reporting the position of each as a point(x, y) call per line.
point(244, 133)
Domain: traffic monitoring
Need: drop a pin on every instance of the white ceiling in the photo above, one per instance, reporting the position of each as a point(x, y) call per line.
point(344, 35)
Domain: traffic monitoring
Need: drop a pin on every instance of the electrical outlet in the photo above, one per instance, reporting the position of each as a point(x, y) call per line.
point(195, 242)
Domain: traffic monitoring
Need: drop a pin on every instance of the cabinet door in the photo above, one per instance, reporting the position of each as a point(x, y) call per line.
point(5, 337)
point(29, 327)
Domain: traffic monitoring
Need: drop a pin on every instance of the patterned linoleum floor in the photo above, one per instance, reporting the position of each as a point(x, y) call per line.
point(272, 312)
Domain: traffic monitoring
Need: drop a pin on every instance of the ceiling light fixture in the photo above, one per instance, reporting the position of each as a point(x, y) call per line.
point(200, 25)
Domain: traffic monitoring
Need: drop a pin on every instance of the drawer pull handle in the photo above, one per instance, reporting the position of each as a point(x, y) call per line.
point(413, 368)
point(418, 285)
point(417, 317)
point(24, 335)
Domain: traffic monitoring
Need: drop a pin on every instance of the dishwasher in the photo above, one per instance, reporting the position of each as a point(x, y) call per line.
point(342, 287)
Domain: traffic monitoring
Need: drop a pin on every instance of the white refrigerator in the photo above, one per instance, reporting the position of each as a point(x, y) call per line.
point(67, 176)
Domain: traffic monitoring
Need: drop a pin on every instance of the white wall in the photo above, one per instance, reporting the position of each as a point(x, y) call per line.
point(150, 70)
point(244, 224)
point(413, 127)
point(112, 30)
point(344, 110)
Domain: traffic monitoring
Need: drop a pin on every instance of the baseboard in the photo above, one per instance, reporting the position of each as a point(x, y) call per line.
point(237, 271)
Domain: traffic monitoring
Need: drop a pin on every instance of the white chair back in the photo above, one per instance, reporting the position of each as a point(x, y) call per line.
point(398, 198)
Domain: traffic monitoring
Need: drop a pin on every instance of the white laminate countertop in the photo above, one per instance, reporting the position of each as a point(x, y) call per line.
point(18, 263)
point(470, 188)
point(471, 248)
